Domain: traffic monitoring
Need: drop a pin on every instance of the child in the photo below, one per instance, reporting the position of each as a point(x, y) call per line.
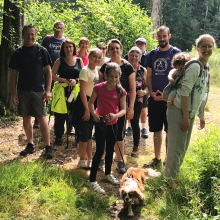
point(109, 94)
point(178, 63)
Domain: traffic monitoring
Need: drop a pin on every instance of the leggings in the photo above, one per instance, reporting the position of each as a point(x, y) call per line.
point(103, 136)
point(135, 122)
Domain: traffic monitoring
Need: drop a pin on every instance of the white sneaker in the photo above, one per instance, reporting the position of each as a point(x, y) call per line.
point(89, 164)
point(111, 179)
point(82, 164)
point(96, 187)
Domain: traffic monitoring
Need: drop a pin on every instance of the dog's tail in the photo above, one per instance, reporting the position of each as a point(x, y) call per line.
point(150, 173)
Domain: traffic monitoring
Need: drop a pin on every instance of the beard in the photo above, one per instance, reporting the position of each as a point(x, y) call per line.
point(163, 44)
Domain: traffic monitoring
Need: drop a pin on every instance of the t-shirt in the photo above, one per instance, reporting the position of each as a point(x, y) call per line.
point(144, 59)
point(107, 101)
point(85, 59)
point(161, 66)
point(89, 76)
point(29, 62)
point(53, 47)
point(126, 71)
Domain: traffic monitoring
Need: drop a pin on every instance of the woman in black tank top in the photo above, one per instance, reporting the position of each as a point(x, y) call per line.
point(68, 68)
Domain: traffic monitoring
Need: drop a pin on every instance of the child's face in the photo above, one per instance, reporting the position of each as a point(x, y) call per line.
point(113, 77)
point(95, 58)
point(179, 67)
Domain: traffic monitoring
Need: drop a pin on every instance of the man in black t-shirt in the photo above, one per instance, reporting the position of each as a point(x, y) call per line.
point(28, 64)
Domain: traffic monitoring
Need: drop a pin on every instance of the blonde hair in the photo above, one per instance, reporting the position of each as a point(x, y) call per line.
point(204, 36)
point(94, 51)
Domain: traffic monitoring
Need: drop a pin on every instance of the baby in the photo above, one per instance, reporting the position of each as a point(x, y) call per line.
point(178, 63)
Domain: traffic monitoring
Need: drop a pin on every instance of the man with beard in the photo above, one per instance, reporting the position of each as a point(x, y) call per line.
point(158, 69)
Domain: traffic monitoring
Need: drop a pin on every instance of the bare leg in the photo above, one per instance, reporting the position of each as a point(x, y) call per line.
point(121, 146)
point(28, 128)
point(144, 115)
point(45, 131)
point(82, 149)
point(157, 143)
point(89, 149)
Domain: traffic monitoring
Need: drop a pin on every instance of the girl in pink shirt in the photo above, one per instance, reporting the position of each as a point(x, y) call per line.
point(109, 95)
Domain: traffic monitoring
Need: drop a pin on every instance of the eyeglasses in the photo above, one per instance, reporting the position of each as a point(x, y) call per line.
point(102, 48)
point(203, 47)
point(68, 47)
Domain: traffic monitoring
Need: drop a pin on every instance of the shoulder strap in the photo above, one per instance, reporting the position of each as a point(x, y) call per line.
point(47, 38)
point(195, 60)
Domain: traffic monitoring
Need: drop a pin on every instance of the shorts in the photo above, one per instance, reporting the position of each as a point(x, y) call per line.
point(145, 100)
point(157, 115)
point(31, 103)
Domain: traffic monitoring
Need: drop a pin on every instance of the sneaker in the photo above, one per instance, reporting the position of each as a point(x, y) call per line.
point(93, 137)
point(89, 164)
point(28, 150)
point(111, 179)
point(144, 133)
point(135, 151)
point(128, 131)
point(96, 187)
point(121, 167)
point(152, 163)
point(71, 132)
point(36, 124)
point(82, 164)
point(49, 152)
point(101, 164)
point(59, 141)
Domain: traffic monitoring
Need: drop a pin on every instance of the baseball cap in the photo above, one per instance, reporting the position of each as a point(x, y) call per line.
point(141, 39)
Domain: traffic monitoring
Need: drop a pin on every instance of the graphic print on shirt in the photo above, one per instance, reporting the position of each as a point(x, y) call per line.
point(160, 66)
point(54, 47)
point(96, 80)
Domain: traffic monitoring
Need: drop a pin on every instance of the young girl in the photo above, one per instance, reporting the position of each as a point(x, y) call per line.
point(109, 95)
point(189, 101)
point(88, 77)
point(177, 63)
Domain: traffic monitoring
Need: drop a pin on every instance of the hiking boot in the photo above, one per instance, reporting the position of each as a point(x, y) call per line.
point(128, 131)
point(82, 164)
point(28, 150)
point(144, 133)
point(58, 141)
point(36, 123)
point(152, 163)
point(96, 187)
point(49, 152)
point(121, 167)
point(111, 179)
point(135, 151)
point(101, 164)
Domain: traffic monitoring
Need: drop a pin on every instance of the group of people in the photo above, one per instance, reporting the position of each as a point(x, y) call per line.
point(112, 91)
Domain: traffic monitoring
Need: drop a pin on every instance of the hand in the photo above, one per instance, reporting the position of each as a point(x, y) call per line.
point(158, 96)
point(96, 117)
point(141, 93)
point(124, 61)
point(72, 82)
point(185, 124)
point(15, 99)
point(47, 96)
point(111, 116)
point(202, 124)
point(86, 116)
point(130, 113)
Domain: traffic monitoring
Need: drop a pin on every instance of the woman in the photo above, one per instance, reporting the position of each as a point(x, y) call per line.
point(68, 67)
point(134, 57)
point(190, 100)
point(82, 52)
point(127, 80)
point(103, 48)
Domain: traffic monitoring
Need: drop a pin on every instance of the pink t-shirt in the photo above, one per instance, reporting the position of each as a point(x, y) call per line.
point(107, 101)
point(85, 59)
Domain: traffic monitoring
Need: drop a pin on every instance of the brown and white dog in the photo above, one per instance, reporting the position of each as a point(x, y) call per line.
point(132, 186)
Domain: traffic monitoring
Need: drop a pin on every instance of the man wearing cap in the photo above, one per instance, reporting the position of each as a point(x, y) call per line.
point(141, 43)
point(53, 43)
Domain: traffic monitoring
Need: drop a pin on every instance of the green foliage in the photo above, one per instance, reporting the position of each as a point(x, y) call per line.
point(97, 20)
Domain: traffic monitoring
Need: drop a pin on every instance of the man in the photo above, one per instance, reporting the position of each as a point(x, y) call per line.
point(141, 43)
point(158, 69)
point(30, 61)
point(53, 43)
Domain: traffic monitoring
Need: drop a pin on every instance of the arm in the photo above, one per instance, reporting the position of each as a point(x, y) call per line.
point(14, 78)
point(121, 112)
point(83, 85)
point(48, 80)
point(171, 74)
point(91, 106)
point(81, 62)
point(132, 86)
point(100, 77)
point(184, 106)
point(141, 92)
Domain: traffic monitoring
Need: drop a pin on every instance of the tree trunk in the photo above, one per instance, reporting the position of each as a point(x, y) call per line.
point(13, 21)
point(155, 14)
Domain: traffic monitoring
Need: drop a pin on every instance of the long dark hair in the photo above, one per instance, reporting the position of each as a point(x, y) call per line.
point(112, 66)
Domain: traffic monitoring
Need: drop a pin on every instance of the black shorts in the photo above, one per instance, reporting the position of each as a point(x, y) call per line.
point(145, 100)
point(157, 117)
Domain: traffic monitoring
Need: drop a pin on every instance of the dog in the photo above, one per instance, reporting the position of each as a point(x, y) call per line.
point(132, 186)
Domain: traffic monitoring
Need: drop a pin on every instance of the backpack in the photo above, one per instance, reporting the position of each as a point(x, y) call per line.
point(178, 80)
